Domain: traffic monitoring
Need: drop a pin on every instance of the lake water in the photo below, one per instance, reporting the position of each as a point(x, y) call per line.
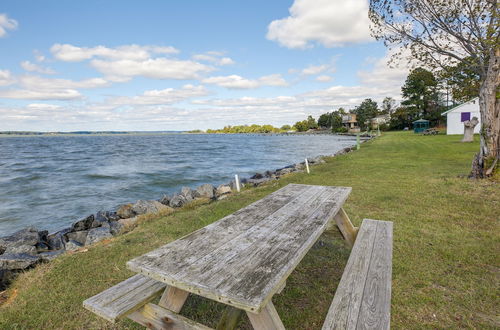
point(52, 181)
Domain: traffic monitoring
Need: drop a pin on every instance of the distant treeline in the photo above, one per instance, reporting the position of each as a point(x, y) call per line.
point(249, 129)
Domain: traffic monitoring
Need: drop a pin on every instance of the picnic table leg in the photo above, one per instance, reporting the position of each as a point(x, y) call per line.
point(346, 227)
point(173, 299)
point(230, 318)
point(268, 318)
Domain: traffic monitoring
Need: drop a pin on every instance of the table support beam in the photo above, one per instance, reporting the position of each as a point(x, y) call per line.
point(173, 299)
point(346, 227)
point(230, 318)
point(267, 319)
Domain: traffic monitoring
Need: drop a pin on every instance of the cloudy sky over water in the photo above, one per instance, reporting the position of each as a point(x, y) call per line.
point(178, 65)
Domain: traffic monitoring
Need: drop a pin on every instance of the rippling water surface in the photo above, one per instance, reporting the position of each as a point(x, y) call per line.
point(51, 181)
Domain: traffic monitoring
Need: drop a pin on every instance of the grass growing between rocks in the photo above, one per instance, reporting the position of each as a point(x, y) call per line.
point(446, 245)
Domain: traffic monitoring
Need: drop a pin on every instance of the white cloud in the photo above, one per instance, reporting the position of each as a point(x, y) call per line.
point(226, 61)
point(312, 69)
point(383, 75)
point(164, 96)
point(158, 68)
point(6, 78)
point(43, 106)
point(323, 78)
point(37, 88)
point(214, 57)
point(238, 82)
point(273, 80)
point(70, 53)
point(6, 23)
point(64, 94)
point(331, 23)
point(232, 82)
point(32, 67)
point(39, 83)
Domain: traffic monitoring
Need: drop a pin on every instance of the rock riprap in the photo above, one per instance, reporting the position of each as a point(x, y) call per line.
point(28, 247)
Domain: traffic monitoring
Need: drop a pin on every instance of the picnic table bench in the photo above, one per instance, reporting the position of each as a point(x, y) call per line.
point(430, 131)
point(244, 259)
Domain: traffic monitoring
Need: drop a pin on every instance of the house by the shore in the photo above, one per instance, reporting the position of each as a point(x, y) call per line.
point(349, 121)
point(456, 116)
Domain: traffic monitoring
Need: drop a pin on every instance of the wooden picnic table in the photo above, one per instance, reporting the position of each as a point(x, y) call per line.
point(243, 259)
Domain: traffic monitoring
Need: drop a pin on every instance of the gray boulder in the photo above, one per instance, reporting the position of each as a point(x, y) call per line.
point(143, 207)
point(189, 193)
point(178, 200)
point(232, 185)
point(127, 223)
point(41, 247)
point(97, 234)
point(26, 236)
point(116, 227)
point(125, 211)
point(56, 240)
point(223, 190)
point(50, 255)
point(165, 200)
point(42, 236)
point(100, 220)
point(72, 245)
point(83, 224)
point(78, 236)
point(284, 171)
point(258, 182)
point(206, 191)
point(13, 261)
point(19, 249)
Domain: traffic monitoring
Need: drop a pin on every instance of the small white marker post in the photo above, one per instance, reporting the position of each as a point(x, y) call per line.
point(237, 180)
point(307, 167)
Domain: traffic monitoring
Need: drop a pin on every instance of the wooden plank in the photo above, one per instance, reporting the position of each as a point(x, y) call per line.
point(281, 287)
point(344, 310)
point(346, 227)
point(267, 319)
point(173, 299)
point(243, 259)
point(363, 297)
point(375, 310)
point(125, 297)
point(155, 317)
point(230, 318)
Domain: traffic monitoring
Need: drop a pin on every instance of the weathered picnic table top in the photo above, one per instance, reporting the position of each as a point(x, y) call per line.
point(244, 258)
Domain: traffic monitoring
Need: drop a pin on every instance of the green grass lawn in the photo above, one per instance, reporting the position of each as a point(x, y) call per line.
point(446, 245)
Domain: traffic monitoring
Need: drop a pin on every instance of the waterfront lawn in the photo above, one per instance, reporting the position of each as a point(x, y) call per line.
point(446, 245)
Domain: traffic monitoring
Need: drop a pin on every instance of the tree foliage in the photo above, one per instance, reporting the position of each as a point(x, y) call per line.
point(388, 106)
point(440, 33)
point(246, 129)
point(463, 81)
point(420, 93)
point(367, 110)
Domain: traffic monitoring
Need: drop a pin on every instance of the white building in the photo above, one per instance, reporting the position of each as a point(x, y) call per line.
point(456, 116)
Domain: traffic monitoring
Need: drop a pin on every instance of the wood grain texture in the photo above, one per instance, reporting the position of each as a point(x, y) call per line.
point(173, 299)
point(346, 227)
point(244, 258)
point(267, 319)
point(363, 297)
point(158, 318)
point(125, 297)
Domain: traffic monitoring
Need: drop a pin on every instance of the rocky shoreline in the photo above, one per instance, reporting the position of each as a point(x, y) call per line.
point(28, 247)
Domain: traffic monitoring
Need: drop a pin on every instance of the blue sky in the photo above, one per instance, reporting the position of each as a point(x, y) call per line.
point(177, 65)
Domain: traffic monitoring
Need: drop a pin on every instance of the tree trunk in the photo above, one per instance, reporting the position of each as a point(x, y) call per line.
point(469, 126)
point(489, 107)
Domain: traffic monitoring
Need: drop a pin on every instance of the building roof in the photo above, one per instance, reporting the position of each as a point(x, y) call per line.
point(421, 121)
point(474, 100)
